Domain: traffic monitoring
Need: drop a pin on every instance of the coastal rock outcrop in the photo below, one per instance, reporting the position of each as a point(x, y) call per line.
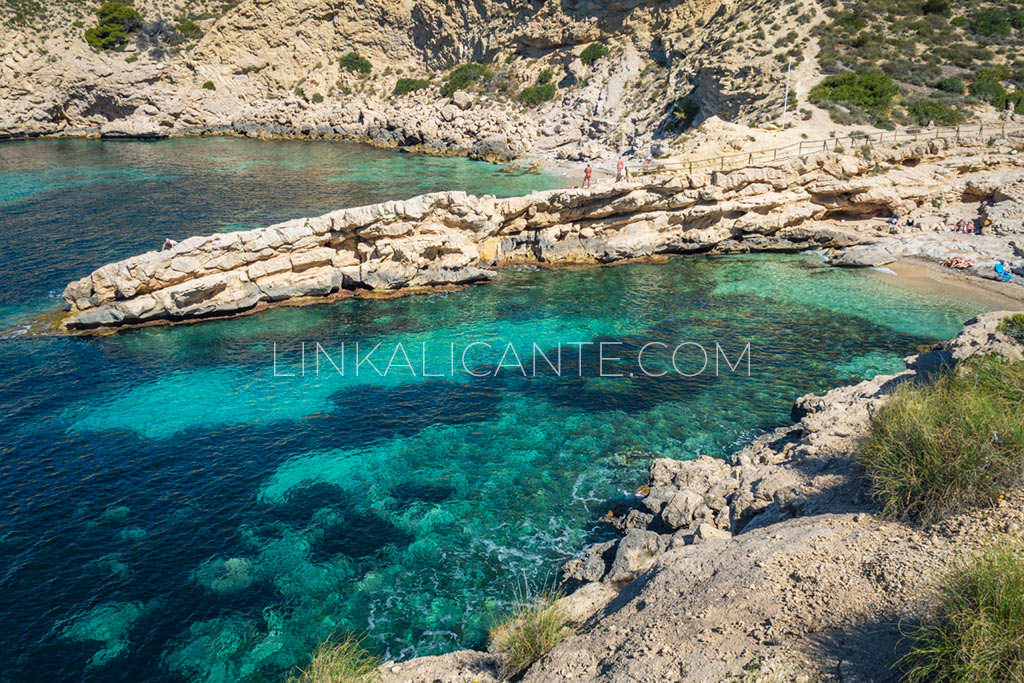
point(451, 238)
point(797, 470)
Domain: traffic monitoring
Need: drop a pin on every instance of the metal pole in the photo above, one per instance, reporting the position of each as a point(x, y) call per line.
point(785, 101)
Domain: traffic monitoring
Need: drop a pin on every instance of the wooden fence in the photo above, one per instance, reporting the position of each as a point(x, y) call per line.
point(856, 141)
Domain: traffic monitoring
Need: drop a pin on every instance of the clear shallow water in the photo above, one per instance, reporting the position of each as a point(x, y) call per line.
point(171, 510)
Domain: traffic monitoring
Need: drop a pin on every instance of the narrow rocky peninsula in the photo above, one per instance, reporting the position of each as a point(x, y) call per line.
point(829, 201)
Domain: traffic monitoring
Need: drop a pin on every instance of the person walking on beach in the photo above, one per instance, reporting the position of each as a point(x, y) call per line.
point(587, 172)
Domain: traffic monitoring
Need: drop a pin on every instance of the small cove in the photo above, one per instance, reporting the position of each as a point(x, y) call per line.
point(172, 510)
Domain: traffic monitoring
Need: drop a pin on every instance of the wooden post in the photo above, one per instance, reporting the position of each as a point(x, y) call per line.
point(723, 163)
point(981, 129)
point(691, 167)
point(800, 150)
point(775, 154)
point(750, 159)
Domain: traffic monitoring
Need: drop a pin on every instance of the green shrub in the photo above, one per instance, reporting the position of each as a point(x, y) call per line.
point(208, 85)
point(299, 92)
point(355, 63)
point(545, 77)
point(952, 445)
point(537, 94)
point(959, 22)
point(1013, 327)
point(404, 86)
point(317, 98)
point(465, 75)
point(593, 52)
point(115, 21)
point(923, 110)
point(340, 661)
point(935, 6)
point(684, 112)
point(991, 21)
point(528, 632)
point(188, 29)
point(951, 85)
point(987, 86)
point(977, 630)
point(872, 90)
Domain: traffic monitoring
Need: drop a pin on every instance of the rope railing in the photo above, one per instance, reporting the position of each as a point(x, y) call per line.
point(838, 144)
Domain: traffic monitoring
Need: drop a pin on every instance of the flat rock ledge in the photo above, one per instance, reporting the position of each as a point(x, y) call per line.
point(451, 238)
point(773, 562)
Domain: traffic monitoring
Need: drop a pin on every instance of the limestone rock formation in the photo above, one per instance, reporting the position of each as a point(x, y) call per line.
point(264, 61)
point(450, 238)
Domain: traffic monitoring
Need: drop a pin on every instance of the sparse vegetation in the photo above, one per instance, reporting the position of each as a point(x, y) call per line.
point(404, 86)
point(340, 661)
point(529, 631)
point(317, 98)
point(935, 44)
point(462, 77)
point(978, 628)
point(955, 444)
point(115, 22)
point(208, 85)
point(355, 63)
point(188, 29)
point(1013, 327)
point(593, 52)
point(684, 112)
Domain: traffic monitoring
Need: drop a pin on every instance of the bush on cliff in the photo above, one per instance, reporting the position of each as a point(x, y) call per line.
point(924, 110)
point(355, 63)
point(1013, 327)
point(404, 86)
point(542, 91)
point(115, 21)
point(593, 52)
point(954, 444)
point(340, 661)
point(978, 629)
point(872, 90)
point(529, 631)
point(461, 77)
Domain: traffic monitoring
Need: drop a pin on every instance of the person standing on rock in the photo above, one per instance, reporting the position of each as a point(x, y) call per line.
point(587, 172)
point(620, 171)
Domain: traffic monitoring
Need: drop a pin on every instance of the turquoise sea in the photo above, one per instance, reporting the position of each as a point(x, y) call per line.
point(176, 507)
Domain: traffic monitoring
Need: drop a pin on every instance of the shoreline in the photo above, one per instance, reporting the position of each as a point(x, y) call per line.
point(775, 574)
point(923, 275)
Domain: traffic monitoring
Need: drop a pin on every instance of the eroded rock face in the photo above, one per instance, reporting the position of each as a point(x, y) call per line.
point(260, 51)
point(451, 238)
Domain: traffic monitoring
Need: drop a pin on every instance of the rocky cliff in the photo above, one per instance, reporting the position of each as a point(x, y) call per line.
point(449, 238)
point(271, 67)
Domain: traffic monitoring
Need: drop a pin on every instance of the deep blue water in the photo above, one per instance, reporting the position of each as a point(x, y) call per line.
point(172, 510)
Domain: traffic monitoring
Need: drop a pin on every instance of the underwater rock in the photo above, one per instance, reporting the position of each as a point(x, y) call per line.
point(110, 624)
point(225, 576)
